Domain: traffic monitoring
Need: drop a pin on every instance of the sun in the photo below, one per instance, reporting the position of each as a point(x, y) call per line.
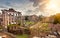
point(53, 5)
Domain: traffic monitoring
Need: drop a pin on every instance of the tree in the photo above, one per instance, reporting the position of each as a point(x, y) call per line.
point(57, 18)
point(41, 17)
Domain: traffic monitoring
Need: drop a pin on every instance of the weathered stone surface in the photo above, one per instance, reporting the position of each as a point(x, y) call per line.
point(6, 35)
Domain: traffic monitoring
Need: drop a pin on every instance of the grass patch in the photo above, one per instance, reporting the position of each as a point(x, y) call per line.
point(22, 36)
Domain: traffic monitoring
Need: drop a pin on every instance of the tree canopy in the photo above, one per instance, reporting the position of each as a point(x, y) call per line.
point(57, 18)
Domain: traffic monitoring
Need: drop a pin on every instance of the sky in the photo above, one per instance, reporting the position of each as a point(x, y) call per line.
point(27, 7)
point(24, 6)
point(19, 5)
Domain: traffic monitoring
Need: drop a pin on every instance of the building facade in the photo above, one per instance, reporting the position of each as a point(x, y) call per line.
point(10, 17)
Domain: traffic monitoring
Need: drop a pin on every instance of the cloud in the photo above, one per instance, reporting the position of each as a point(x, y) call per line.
point(37, 2)
point(27, 7)
point(33, 11)
point(19, 5)
point(41, 5)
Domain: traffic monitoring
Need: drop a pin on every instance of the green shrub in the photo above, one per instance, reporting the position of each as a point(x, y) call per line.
point(29, 22)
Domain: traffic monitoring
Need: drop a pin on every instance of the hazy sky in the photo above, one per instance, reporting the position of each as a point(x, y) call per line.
point(27, 7)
